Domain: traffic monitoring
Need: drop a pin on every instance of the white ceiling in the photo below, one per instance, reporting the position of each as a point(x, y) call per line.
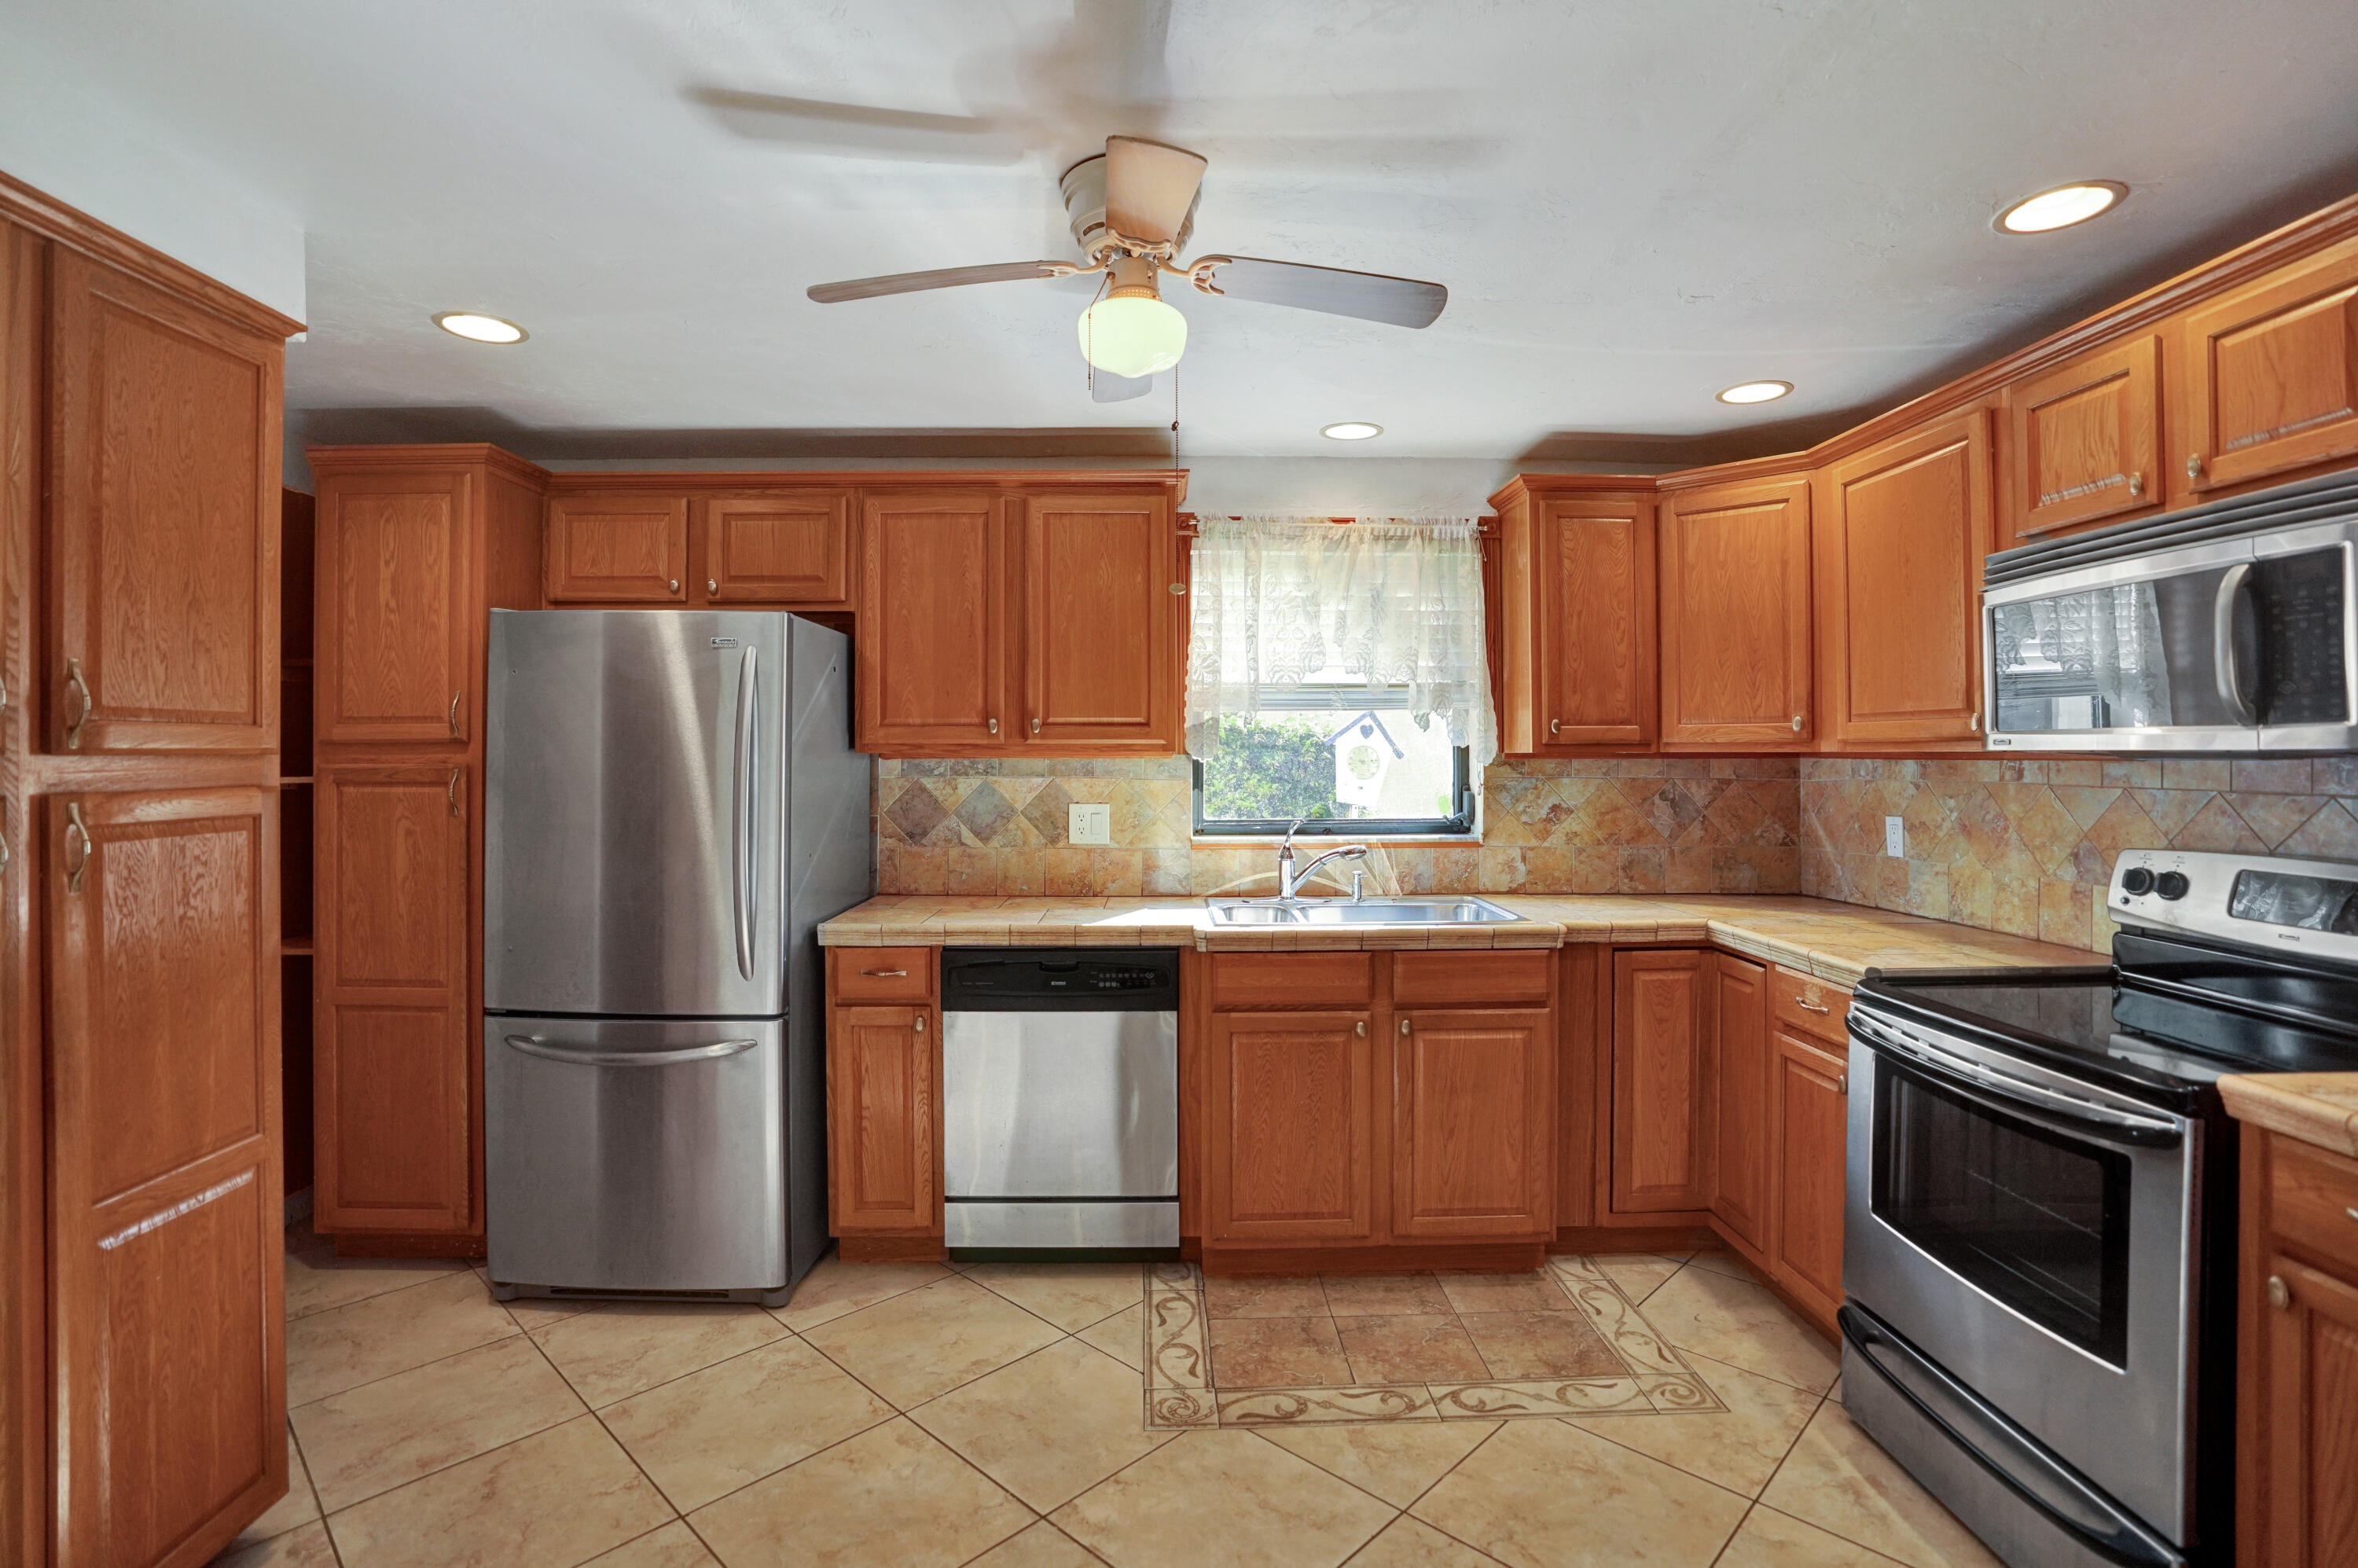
point(1633, 202)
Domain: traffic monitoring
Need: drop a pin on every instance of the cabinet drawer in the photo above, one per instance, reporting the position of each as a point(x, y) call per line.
point(1470, 979)
point(1809, 1007)
point(882, 974)
point(2313, 1198)
point(1292, 980)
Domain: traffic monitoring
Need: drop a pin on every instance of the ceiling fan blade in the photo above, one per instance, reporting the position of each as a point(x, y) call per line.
point(1107, 387)
point(1149, 188)
point(940, 277)
point(856, 130)
point(1370, 296)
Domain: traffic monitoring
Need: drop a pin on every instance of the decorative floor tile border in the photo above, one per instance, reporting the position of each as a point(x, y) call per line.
point(1179, 1390)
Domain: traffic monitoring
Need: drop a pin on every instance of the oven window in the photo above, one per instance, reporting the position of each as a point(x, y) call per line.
point(2038, 1220)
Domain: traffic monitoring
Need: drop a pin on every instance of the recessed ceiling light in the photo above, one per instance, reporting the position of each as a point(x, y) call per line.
point(1351, 430)
point(2061, 208)
point(482, 329)
point(1755, 392)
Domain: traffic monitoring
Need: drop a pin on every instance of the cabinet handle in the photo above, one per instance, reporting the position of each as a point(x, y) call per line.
point(2353, 1213)
point(1976, 724)
point(1842, 1085)
point(77, 840)
point(919, 1026)
point(454, 792)
point(81, 688)
point(1035, 726)
point(712, 586)
point(1360, 1029)
point(672, 583)
point(886, 974)
point(1797, 724)
point(1808, 1006)
point(1178, 588)
point(4, 847)
point(2136, 483)
point(1403, 1026)
point(994, 725)
point(2280, 1293)
point(454, 714)
point(2194, 465)
point(1555, 726)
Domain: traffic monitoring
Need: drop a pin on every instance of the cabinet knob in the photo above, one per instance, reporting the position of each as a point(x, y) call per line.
point(2280, 1293)
point(1842, 1085)
point(673, 584)
point(919, 1026)
point(1555, 726)
point(994, 725)
point(1360, 1029)
point(711, 585)
point(1178, 588)
point(1403, 1026)
point(1797, 724)
point(1035, 726)
point(2137, 482)
point(1976, 723)
point(2194, 465)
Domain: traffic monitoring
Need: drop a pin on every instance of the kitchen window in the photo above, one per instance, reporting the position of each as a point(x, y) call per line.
point(1338, 672)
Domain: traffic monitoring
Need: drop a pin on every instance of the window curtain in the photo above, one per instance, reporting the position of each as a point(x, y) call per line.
point(1382, 602)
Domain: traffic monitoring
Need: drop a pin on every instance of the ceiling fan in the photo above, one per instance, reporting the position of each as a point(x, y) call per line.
point(1132, 208)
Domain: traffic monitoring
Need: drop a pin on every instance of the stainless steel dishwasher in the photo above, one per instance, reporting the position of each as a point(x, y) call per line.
point(1060, 1098)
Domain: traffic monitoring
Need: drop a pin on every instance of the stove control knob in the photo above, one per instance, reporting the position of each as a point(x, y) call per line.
point(2136, 880)
point(2171, 884)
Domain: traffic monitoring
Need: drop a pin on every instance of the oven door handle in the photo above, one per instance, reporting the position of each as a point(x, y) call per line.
point(2102, 1121)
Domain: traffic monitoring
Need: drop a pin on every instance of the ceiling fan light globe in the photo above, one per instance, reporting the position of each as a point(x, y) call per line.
point(1132, 336)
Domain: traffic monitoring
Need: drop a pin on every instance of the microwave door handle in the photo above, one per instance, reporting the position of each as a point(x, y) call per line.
point(2235, 586)
point(741, 816)
point(2003, 1091)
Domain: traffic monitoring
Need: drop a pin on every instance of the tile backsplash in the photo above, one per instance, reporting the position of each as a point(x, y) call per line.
point(1639, 825)
point(2027, 846)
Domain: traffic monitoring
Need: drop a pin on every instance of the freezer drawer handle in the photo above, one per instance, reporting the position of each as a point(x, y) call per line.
point(741, 873)
point(714, 1052)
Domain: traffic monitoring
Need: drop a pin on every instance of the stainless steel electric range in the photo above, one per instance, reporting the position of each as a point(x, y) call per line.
point(2038, 1250)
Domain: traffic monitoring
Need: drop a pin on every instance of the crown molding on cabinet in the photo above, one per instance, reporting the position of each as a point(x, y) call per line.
point(702, 480)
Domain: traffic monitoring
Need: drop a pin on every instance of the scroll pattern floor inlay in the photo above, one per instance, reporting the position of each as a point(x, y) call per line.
point(1251, 1354)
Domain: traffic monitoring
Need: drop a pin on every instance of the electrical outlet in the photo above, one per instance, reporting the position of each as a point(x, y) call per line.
point(1895, 838)
point(1090, 827)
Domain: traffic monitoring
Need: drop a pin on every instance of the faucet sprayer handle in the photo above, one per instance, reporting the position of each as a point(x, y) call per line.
point(1287, 848)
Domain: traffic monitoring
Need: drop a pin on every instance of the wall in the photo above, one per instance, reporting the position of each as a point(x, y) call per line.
point(2027, 846)
point(1643, 825)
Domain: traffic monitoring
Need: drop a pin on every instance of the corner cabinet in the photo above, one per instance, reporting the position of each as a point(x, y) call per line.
point(1576, 606)
point(997, 622)
point(1735, 616)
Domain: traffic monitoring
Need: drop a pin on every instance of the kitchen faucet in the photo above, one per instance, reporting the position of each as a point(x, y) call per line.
point(1288, 878)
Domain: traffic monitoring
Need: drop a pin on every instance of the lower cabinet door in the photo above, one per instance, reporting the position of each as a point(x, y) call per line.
point(1290, 1124)
point(1739, 1087)
point(166, 1305)
point(394, 1047)
point(1659, 1160)
point(884, 1135)
point(1808, 1112)
point(2309, 1506)
point(1473, 1117)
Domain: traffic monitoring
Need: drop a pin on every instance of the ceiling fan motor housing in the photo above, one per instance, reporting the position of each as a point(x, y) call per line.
point(1084, 188)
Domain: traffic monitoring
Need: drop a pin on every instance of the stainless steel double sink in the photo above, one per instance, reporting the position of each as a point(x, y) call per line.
point(1462, 910)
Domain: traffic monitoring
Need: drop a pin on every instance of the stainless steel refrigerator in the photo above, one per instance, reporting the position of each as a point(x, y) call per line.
point(672, 806)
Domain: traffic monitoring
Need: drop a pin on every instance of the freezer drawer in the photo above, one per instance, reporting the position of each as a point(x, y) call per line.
point(635, 1154)
point(1060, 1105)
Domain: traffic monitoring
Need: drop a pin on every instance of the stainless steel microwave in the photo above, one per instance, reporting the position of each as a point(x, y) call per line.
point(2228, 629)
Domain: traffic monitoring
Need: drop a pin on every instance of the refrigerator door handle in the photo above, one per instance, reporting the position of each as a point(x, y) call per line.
point(532, 1047)
point(743, 826)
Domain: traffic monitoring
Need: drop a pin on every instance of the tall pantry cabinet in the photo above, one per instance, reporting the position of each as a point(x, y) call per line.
point(142, 1378)
point(414, 547)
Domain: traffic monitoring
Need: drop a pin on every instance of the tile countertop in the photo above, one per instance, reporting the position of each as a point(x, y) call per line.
point(2316, 1108)
point(1836, 942)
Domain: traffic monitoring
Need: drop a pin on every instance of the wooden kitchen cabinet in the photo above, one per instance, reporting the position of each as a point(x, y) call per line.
point(1739, 1077)
point(394, 633)
point(1735, 563)
point(1577, 610)
point(883, 1121)
point(2297, 1384)
point(165, 1316)
point(1661, 1003)
point(1290, 1131)
point(933, 624)
point(162, 532)
point(785, 547)
point(617, 548)
point(1473, 1150)
point(1099, 638)
point(395, 1057)
point(2271, 376)
point(2084, 442)
point(1900, 561)
point(1809, 1110)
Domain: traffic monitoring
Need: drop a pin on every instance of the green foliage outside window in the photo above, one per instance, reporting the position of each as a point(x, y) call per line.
point(1271, 769)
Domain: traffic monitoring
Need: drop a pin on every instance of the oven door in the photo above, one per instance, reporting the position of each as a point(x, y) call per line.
point(2034, 1236)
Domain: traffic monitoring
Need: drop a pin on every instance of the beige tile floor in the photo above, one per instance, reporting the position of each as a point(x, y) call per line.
point(992, 1415)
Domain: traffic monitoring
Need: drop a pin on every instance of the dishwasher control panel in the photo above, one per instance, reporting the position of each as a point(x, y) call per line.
point(1051, 980)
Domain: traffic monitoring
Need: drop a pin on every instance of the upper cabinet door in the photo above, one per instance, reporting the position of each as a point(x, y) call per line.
point(1735, 615)
point(162, 522)
point(932, 625)
point(396, 554)
point(2272, 376)
point(1098, 630)
point(787, 547)
point(166, 1312)
point(1900, 589)
point(616, 547)
point(1594, 562)
point(2085, 441)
